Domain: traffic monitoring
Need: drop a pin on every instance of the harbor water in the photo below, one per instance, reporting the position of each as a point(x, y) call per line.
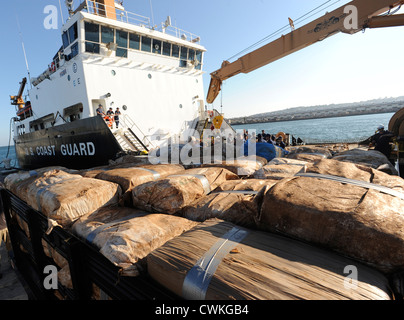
point(326, 130)
point(6, 152)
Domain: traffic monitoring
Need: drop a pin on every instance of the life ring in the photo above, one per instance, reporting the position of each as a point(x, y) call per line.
point(52, 67)
point(210, 114)
point(281, 134)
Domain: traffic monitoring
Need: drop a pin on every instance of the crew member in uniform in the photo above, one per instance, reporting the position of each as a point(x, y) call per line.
point(381, 141)
point(116, 117)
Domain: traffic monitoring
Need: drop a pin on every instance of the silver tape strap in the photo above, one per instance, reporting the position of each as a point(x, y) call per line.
point(156, 175)
point(359, 183)
point(201, 177)
point(246, 192)
point(197, 280)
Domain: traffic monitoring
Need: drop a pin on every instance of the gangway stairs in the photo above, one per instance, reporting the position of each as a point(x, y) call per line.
point(130, 137)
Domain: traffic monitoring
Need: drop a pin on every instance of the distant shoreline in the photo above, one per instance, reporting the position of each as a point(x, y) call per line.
point(295, 118)
point(308, 113)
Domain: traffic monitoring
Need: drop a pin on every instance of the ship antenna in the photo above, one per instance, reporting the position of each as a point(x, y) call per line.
point(61, 12)
point(23, 49)
point(152, 15)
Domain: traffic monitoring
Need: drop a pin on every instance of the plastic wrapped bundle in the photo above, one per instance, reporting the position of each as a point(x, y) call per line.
point(128, 178)
point(371, 158)
point(64, 197)
point(244, 185)
point(171, 194)
point(217, 260)
point(236, 201)
point(243, 166)
point(18, 182)
point(317, 151)
point(359, 219)
point(125, 235)
point(357, 172)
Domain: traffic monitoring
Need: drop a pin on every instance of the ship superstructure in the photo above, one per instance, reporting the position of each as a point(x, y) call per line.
point(115, 59)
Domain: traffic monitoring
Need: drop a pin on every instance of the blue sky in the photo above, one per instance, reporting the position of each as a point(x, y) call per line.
point(343, 68)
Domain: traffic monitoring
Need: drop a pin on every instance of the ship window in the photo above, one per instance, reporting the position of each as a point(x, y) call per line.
point(107, 34)
point(166, 49)
point(134, 41)
point(122, 39)
point(65, 39)
point(146, 44)
point(156, 46)
point(176, 51)
point(120, 52)
point(92, 32)
point(73, 35)
point(184, 53)
point(75, 50)
point(92, 47)
point(199, 59)
point(191, 55)
point(183, 57)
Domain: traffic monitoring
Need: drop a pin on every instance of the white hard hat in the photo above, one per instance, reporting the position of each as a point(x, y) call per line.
point(381, 127)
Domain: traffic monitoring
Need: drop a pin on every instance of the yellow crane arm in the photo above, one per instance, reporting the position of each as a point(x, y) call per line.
point(350, 18)
point(18, 100)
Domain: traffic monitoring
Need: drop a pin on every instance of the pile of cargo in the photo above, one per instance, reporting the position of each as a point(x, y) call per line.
point(291, 228)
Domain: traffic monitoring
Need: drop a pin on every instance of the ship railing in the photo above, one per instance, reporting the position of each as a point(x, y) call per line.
point(128, 122)
point(123, 15)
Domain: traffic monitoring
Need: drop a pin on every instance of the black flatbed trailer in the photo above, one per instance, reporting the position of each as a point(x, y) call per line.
point(88, 267)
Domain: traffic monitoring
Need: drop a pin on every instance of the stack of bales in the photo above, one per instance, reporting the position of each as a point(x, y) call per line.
point(307, 216)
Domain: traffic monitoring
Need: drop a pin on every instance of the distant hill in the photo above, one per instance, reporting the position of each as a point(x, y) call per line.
point(325, 111)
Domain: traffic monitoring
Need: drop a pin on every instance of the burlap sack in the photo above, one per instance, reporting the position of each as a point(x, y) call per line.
point(171, 194)
point(362, 223)
point(243, 166)
point(126, 235)
point(371, 158)
point(128, 178)
point(64, 197)
point(217, 260)
point(18, 182)
point(244, 185)
point(309, 150)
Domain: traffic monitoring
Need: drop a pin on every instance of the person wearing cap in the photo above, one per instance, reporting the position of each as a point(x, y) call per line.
point(381, 141)
point(100, 111)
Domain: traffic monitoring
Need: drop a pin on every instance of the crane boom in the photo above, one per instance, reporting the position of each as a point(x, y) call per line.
point(342, 20)
point(18, 100)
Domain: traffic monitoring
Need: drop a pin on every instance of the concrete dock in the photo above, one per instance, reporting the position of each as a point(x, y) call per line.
point(11, 287)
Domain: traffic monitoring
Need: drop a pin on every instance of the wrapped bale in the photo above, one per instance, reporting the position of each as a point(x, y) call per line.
point(173, 193)
point(244, 185)
point(371, 158)
point(18, 182)
point(236, 201)
point(312, 150)
point(125, 235)
point(361, 220)
point(306, 157)
point(243, 166)
point(238, 207)
point(356, 172)
point(217, 260)
point(64, 197)
point(128, 178)
point(278, 171)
